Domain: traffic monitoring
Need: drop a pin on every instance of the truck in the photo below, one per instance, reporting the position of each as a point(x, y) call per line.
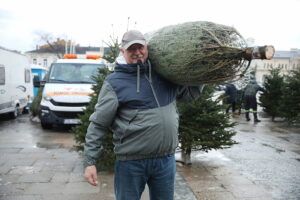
point(16, 85)
point(67, 88)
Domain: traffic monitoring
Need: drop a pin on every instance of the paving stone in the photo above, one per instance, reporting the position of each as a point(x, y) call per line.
point(43, 161)
point(78, 168)
point(13, 189)
point(4, 169)
point(9, 150)
point(9, 178)
point(45, 188)
point(22, 161)
point(36, 178)
point(248, 191)
point(76, 177)
point(214, 195)
point(33, 150)
point(95, 196)
point(24, 170)
point(80, 188)
point(54, 165)
point(21, 197)
point(234, 180)
point(182, 190)
point(60, 177)
point(57, 168)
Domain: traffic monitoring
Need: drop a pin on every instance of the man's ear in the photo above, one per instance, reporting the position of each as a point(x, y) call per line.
point(122, 50)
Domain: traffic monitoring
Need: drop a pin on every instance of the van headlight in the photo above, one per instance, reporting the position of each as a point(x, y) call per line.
point(47, 98)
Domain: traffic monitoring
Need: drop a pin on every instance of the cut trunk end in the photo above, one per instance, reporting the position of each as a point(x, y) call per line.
point(261, 52)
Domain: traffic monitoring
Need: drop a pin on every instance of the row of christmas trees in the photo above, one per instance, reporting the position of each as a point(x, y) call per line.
point(281, 96)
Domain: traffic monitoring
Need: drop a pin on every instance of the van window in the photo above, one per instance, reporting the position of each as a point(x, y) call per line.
point(2, 75)
point(73, 72)
point(27, 76)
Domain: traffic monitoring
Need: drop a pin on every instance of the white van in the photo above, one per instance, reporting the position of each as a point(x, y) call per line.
point(67, 89)
point(16, 87)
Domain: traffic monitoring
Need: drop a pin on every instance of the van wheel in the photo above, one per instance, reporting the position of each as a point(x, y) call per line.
point(14, 114)
point(46, 125)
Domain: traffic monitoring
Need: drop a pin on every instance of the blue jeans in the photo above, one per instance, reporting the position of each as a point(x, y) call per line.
point(132, 176)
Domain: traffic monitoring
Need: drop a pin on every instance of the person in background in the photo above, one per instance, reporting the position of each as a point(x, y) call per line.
point(250, 102)
point(140, 107)
point(231, 97)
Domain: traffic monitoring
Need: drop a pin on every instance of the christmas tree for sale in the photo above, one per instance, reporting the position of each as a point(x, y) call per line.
point(273, 90)
point(107, 157)
point(203, 125)
point(290, 106)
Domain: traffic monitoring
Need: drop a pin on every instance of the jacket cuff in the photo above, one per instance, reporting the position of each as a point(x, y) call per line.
point(89, 161)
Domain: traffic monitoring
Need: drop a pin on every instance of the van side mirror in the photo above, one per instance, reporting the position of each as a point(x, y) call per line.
point(36, 81)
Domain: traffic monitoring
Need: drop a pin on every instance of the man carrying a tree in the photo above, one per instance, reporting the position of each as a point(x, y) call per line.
point(140, 107)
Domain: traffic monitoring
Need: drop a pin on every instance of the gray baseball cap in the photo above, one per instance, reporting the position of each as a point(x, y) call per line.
point(132, 37)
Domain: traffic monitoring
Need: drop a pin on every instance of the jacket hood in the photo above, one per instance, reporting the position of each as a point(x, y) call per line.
point(138, 69)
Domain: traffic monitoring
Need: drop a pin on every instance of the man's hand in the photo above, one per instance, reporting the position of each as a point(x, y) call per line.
point(90, 174)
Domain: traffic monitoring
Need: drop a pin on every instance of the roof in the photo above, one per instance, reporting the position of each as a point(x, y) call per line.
point(13, 51)
point(287, 54)
point(78, 50)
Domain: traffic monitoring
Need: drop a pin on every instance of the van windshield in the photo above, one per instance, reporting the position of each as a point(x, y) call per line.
point(73, 72)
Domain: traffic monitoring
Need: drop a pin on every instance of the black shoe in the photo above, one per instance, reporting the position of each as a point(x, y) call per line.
point(255, 117)
point(248, 119)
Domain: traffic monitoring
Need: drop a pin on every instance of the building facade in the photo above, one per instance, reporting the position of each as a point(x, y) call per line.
point(46, 56)
point(284, 60)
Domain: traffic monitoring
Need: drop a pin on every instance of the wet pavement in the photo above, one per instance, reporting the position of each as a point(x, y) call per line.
point(39, 164)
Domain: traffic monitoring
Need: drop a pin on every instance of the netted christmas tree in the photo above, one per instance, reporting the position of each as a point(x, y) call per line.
point(203, 125)
point(272, 95)
point(200, 52)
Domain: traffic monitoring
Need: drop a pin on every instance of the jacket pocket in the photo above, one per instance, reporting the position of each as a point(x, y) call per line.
point(128, 121)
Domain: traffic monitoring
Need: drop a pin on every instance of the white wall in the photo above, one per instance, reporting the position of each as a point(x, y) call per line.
point(51, 57)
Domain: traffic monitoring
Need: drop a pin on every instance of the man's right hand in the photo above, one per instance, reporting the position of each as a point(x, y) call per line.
point(90, 174)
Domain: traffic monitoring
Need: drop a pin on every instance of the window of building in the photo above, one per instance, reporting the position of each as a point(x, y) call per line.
point(2, 75)
point(45, 62)
point(34, 61)
point(27, 76)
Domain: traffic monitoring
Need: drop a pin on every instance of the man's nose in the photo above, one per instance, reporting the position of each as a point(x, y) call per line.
point(136, 51)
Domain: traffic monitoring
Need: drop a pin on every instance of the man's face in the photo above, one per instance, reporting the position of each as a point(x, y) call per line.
point(135, 52)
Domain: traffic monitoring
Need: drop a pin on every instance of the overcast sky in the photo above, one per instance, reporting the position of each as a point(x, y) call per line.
point(90, 22)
